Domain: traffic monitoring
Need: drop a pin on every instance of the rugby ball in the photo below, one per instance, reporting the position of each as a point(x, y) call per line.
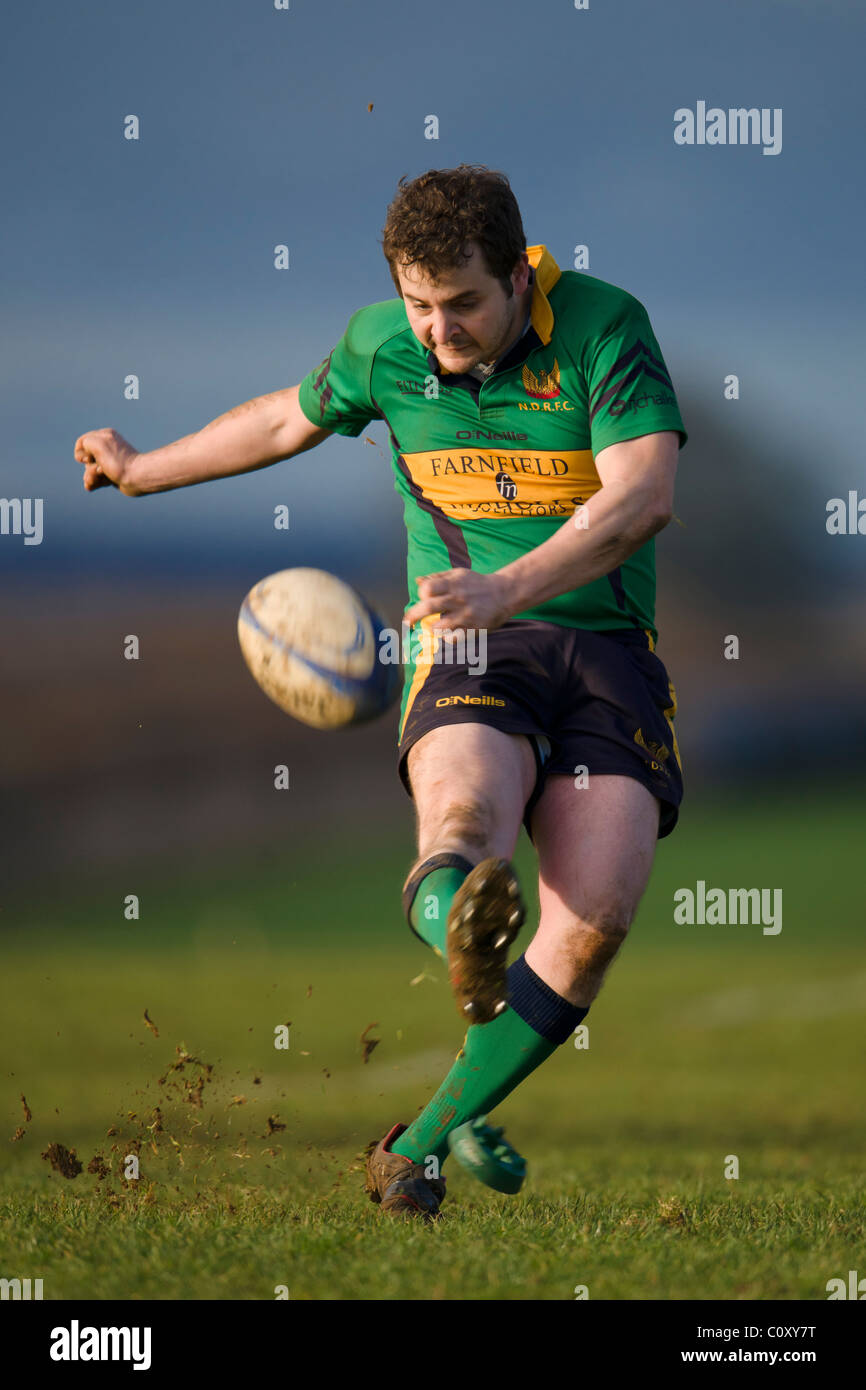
point(314, 645)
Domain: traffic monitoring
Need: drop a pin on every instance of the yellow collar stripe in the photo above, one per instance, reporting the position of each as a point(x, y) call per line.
point(547, 272)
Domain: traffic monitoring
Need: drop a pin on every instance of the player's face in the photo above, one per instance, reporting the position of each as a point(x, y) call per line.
point(465, 317)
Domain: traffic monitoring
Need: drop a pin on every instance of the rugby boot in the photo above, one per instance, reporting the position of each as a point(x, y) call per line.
point(398, 1184)
point(486, 914)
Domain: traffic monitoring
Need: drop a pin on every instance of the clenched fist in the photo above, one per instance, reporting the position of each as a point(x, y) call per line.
point(463, 599)
point(108, 460)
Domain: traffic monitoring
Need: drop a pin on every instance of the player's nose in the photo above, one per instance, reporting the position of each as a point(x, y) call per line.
point(443, 329)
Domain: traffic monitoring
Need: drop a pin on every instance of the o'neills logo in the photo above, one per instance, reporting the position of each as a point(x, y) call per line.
point(468, 700)
point(545, 385)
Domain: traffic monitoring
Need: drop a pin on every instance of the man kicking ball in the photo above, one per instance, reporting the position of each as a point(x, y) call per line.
point(534, 434)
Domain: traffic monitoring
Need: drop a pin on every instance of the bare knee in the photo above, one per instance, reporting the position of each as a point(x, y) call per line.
point(572, 953)
point(609, 926)
point(588, 945)
point(465, 825)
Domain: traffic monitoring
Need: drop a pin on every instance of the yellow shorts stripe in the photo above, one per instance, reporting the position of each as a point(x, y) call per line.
point(423, 665)
point(670, 714)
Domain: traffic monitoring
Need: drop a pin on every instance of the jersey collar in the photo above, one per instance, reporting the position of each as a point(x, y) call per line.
point(545, 272)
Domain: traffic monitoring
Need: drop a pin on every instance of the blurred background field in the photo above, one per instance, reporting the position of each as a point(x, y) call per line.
point(706, 1042)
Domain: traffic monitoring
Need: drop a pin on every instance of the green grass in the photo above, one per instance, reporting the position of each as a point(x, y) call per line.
point(706, 1042)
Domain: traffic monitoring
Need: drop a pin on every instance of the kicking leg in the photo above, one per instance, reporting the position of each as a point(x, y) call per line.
point(595, 848)
point(470, 783)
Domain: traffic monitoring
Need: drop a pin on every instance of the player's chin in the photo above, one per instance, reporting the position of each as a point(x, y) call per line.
point(464, 354)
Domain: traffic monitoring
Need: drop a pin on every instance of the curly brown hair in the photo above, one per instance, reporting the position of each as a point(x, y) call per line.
point(432, 219)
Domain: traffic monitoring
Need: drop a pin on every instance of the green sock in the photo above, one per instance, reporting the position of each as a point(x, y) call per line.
point(433, 898)
point(494, 1059)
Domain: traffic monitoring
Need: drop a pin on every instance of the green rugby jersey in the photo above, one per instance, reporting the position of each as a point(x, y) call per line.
point(490, 469)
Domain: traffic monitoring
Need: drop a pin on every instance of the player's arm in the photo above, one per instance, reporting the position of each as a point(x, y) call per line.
point(634, 502)
point(253, 435)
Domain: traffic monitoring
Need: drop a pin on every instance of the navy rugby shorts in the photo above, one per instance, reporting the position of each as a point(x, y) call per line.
point(595, 700)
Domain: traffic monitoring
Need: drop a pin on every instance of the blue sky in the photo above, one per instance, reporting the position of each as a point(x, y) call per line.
point(155, 256)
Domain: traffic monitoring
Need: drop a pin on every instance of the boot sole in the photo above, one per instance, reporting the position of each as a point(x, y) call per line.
point(485, 918)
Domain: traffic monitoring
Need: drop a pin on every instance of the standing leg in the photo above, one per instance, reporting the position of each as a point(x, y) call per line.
point(595, 852)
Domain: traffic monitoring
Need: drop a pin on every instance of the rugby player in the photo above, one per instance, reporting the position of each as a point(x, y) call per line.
point(534, 434)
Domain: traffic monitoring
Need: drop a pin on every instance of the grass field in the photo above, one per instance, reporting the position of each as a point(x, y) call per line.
point(707, 1041)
